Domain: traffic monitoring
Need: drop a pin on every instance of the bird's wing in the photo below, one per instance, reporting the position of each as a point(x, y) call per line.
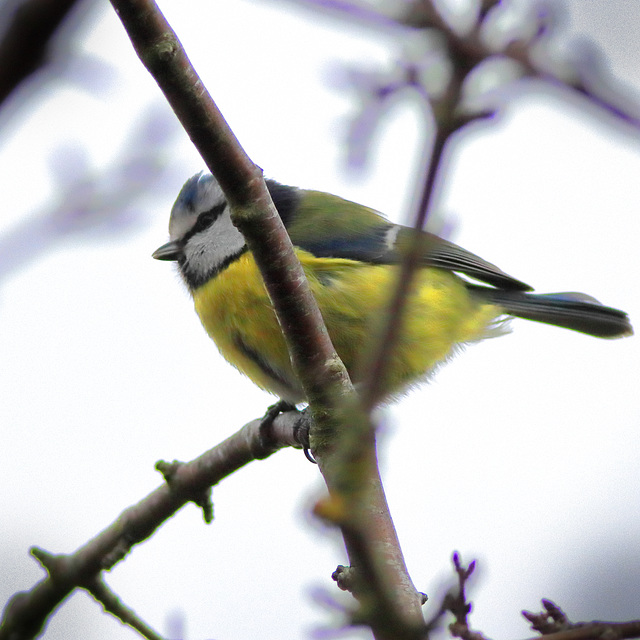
point(446, 255)
point(329, 226)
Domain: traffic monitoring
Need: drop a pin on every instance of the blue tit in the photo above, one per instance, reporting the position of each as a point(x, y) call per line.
point(350, 255)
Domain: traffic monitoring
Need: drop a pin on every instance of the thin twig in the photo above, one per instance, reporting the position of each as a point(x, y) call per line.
point(447, 121)
point(26, 613)
point(553, 624)
point(112, 604)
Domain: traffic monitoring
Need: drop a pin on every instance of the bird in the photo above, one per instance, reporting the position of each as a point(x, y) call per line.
point(351, 256)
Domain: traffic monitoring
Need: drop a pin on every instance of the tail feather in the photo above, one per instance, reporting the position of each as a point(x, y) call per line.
point(576, 311)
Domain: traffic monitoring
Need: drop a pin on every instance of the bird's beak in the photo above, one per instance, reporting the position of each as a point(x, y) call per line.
point(170, 251)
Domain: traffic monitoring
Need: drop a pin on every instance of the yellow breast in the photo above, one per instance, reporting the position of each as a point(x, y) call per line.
point(236, 312)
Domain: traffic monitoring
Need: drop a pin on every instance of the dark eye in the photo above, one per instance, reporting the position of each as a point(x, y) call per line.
point(207, 218)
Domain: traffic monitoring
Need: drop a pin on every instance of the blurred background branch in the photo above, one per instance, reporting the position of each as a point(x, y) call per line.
point(27, 40)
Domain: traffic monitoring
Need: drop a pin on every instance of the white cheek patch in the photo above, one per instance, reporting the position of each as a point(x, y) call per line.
point(207, 251)
point(223, 237)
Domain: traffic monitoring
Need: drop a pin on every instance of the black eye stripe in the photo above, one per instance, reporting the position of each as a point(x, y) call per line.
point(213, 214)
point(206, 219)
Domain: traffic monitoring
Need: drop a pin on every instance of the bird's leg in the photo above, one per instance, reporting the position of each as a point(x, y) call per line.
point(301, 431)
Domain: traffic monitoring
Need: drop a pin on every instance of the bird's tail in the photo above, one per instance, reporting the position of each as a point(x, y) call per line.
point(576, 311)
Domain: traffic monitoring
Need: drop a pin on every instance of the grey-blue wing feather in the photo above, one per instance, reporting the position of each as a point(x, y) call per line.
point(331, 227)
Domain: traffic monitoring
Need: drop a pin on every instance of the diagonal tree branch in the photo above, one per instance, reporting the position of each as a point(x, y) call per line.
point(27, 612)
point(333, 403)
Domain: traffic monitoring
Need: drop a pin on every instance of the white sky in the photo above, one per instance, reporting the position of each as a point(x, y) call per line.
point(522, 452)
